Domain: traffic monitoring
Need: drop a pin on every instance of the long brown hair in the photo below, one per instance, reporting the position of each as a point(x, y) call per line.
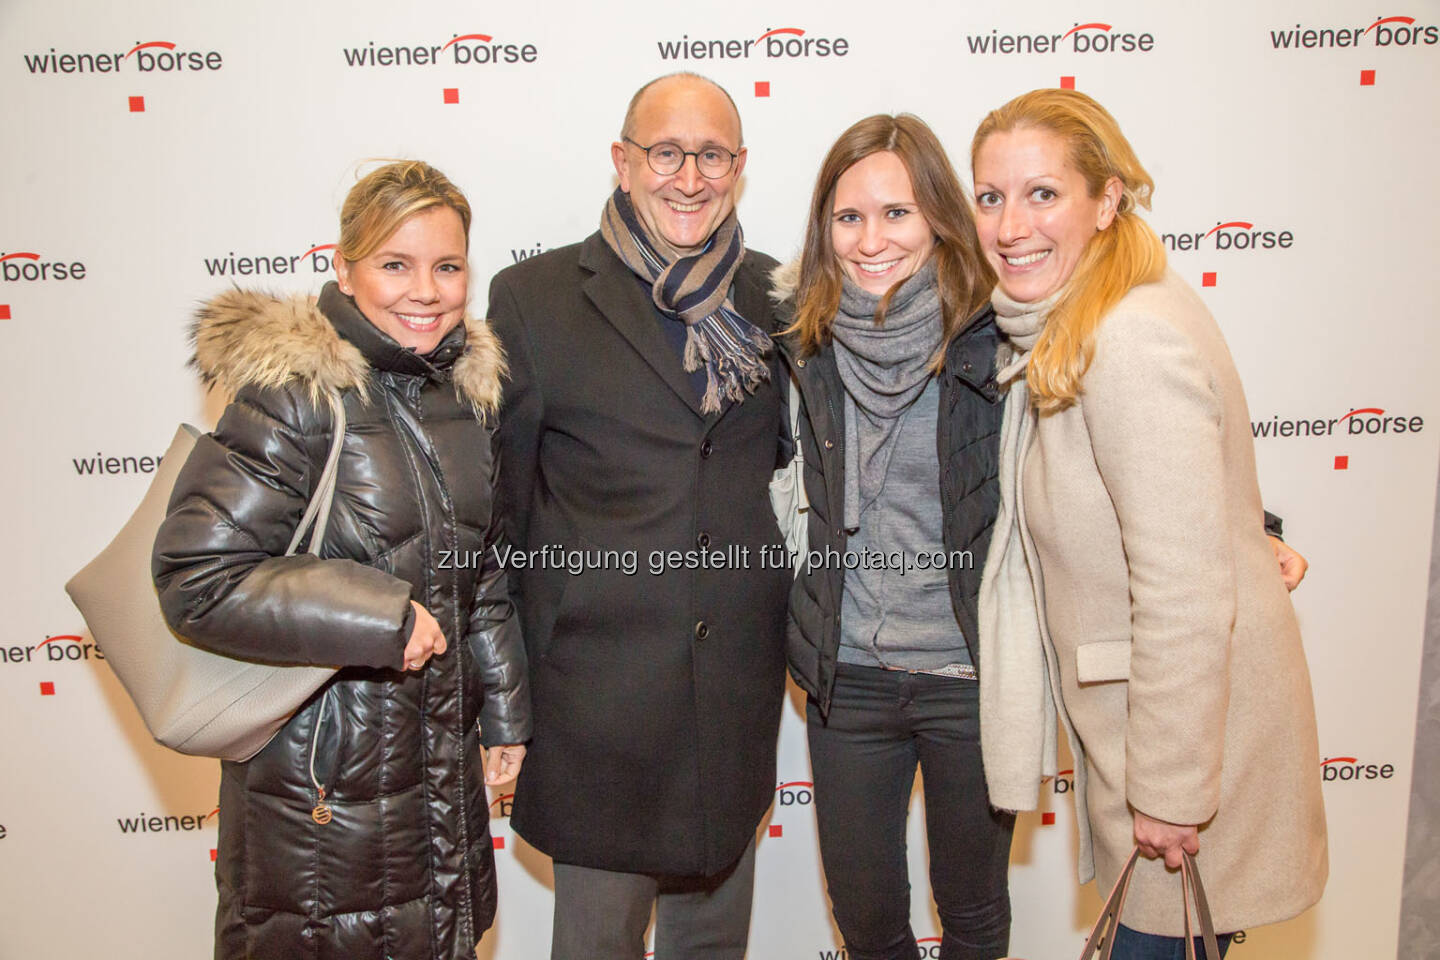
point(962, 275)
point(1122, 256)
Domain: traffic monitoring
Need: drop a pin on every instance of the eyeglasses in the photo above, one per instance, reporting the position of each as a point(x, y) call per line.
point(667, 158)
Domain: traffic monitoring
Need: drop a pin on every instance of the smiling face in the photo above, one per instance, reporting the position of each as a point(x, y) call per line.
point(415, 285)
point(876, 227)
point(683, 208)
point(1034, 212)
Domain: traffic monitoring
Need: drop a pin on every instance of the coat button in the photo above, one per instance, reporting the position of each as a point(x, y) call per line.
point(701, 630)
point(706, 448)
point(829, 444)
point(799, 363)
point(967, 366)
point(703, 540)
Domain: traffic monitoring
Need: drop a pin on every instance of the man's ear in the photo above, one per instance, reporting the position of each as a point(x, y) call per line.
point(622, 166)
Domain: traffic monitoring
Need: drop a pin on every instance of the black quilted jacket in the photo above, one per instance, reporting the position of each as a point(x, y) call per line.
point(405, 868)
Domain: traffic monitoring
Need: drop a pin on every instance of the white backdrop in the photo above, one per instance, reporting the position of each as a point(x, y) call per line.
point(1304, 132)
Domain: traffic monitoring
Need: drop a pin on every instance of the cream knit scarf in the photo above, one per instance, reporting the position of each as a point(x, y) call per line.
point(1017, 707)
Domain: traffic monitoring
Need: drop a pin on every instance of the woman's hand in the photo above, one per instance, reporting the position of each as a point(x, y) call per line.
point(502, 764)
point(1292, 565)
point(426, 639)
point(1156, 838)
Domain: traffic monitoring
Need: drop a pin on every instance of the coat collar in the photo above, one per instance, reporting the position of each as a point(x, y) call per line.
point(245, 338)
point(622, 300)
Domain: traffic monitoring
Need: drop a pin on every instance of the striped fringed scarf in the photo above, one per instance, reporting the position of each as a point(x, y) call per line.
point(696, 290)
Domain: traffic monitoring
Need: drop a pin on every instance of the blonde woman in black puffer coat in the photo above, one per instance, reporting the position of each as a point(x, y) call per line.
point(361, 831)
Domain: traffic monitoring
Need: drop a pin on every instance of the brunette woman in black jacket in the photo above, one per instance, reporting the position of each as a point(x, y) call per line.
point(362, 830)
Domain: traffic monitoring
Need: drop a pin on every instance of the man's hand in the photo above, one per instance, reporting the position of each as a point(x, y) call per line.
point(1292, 565)
point(426, 639)
point(502, 764)
point(1156, 838)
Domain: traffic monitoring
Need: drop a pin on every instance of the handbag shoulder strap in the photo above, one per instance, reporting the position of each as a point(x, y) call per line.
point(317, 511)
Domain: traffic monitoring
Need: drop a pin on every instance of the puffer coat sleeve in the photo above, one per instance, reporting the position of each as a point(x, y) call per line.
point(496, 644)
point(219, 564)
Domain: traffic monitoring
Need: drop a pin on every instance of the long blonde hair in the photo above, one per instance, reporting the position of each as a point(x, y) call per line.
point(962, 275)
point(1122, 256)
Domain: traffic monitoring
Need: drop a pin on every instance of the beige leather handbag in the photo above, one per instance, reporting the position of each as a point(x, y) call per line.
point(192, 700)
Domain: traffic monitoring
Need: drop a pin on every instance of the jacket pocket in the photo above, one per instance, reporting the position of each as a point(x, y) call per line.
point(1102, 661)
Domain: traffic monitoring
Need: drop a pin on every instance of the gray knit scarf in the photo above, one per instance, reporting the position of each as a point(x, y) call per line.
point(695, 289)
point(884, 370)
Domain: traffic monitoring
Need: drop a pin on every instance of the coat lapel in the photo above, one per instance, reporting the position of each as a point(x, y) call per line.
point(621, 300)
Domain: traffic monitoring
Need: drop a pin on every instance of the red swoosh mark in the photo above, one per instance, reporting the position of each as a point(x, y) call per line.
point(64, 636)
point(502, 798)
point(1338, 760)
point(927, 940)
point(1085, 26)
point(212, 813)
point(469, 36)
point(795, 31)
point(153, 43)
point(1375, 410)
point(796, 783)
point(1065, 773)
point(323, 246)
point(26, 256)
point(1389, 20)
point(1241, 224)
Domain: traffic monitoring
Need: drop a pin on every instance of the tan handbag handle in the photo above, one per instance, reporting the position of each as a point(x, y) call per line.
point(1108, 923)
point(317, 511)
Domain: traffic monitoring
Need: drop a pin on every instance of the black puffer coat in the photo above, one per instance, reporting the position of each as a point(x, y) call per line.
point(968, 441)
point(405, 869)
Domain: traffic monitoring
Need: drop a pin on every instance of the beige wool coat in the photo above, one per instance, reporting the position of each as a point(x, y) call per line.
point(1172, 644)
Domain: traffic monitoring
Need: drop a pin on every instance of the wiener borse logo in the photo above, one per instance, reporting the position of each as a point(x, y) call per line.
point(462, 49)
point(152, 56)
point(315, 260)
point(778, 43)
point(1080, 37)
point(60, 648)
point(1231, 235)
point(1359, 422)
point(26, 266)
point(1384, 33)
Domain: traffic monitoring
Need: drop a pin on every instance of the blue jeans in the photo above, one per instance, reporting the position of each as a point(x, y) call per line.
point(1134, 945)
point(881, 724)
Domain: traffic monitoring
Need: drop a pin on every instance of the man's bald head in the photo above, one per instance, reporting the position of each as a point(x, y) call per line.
point(659, 84)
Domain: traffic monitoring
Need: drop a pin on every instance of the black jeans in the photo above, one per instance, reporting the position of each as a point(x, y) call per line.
point(863, 756)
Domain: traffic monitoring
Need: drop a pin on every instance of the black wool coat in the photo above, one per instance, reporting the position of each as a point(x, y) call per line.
point(968, 442)
point(405, 869)
point(657, 693)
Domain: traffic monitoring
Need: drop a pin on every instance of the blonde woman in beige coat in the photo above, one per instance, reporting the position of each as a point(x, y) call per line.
point(1132, 514)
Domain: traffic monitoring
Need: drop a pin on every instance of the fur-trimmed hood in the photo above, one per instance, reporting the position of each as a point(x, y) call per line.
point(785, 281)
point(247, 338)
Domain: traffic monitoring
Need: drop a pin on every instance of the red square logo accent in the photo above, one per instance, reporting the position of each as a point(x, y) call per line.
point(762, 88)
point(213, 854)
point(452, 95)
point(498, 843)
point(1342, 463)
point(4, 311)
point(137, 104)
point(1367, 78)
point(777, 830)
point(47, 688)
point(1067, 83)
point(1047, 819)
point(1207, 279)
